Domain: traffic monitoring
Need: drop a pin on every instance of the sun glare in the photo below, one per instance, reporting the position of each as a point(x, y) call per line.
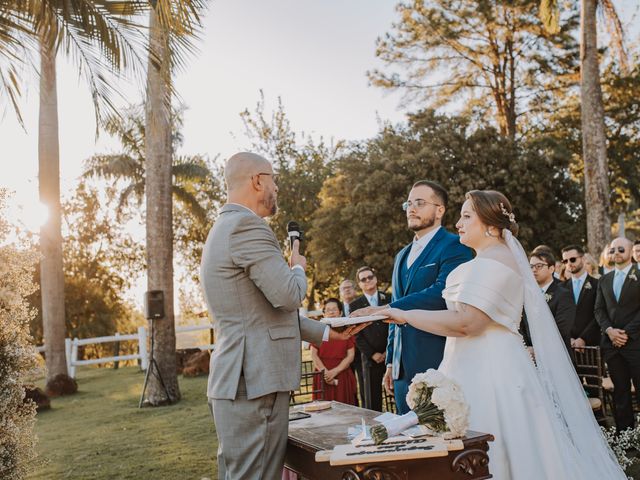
point(33, 216)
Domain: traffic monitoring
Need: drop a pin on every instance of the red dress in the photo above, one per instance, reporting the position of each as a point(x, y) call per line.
point(332, 353)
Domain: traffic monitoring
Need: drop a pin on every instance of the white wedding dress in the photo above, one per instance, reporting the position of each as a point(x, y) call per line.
point(539, 415)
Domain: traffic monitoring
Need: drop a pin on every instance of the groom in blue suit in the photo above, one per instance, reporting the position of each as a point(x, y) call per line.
point(419, 275)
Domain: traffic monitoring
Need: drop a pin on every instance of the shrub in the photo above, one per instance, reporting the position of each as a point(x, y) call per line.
point(17, 356)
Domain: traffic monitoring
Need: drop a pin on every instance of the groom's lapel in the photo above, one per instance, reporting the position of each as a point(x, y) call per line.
point(398, 287)
point(423, 256)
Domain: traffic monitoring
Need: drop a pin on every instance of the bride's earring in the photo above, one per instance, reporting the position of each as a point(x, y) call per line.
point(487, 233)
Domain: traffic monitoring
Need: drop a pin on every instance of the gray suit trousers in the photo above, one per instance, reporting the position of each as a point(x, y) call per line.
point(252, 435)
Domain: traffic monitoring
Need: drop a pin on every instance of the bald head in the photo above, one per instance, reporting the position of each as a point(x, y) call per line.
point(242, 166)
point(620, 251)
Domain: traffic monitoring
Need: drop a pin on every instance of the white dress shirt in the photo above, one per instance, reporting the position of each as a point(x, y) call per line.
point(418, 246)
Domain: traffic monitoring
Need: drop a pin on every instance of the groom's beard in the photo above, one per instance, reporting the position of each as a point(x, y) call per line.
point(426, 223)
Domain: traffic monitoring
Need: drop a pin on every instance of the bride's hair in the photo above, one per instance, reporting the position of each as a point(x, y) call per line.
point(493, 209)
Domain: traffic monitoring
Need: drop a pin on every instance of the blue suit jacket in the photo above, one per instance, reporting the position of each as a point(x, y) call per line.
point(423, 291)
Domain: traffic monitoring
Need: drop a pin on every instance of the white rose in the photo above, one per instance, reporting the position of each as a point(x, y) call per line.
point(434, 378)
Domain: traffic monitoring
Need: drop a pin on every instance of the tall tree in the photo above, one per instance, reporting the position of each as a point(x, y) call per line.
point(95, 30)
point(171, 27)
point(594, 140)
point(492, 57)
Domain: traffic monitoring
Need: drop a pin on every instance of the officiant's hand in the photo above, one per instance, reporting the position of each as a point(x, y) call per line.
point(348, 332)
point(296, 258)
point(387, 380)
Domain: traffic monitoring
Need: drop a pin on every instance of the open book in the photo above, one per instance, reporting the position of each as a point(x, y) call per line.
point(346, 321)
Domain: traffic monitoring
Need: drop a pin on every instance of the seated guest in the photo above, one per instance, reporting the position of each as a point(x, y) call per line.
point(334, 358)
point(372, 341)
point(557, 296)
point(586, 330)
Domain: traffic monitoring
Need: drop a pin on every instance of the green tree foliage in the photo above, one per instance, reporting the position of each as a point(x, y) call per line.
point(360, 220)
point(621, 92)
point(491, 56)
point(100, 262)
point(17, 356)
point(303, 168)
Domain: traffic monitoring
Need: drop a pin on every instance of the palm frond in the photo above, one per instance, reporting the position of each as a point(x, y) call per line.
point(114, 167)
point(190, 202)
point(185, 168)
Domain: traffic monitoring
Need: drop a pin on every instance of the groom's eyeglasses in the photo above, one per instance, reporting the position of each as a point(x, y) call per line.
point(613, 250)
point(419, 203)
point(572, 260)
point(274, 176)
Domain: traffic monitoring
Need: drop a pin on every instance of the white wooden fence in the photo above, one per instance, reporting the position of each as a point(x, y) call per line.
point(71, 348)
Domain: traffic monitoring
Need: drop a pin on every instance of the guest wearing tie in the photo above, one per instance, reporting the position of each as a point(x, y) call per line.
point(419, 275)
point(586, 330)
point(618, 313)
point(557, 296)
point(372, 341)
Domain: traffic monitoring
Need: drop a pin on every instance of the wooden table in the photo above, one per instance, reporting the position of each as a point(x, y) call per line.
point(325, 429)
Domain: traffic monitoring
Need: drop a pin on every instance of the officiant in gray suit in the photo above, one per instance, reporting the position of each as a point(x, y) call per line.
point(253, 296)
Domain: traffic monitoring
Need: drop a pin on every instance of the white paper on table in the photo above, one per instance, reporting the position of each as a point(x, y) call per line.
point(343, 321)
point(385, 417)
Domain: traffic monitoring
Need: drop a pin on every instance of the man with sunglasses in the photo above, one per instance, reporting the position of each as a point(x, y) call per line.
point(372, 341)
point(583, 286)
point(636, 251)
point(617, 310)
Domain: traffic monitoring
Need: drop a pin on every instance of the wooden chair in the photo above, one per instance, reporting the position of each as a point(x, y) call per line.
point(590, 370)
point(388, 402)
point(306, 392)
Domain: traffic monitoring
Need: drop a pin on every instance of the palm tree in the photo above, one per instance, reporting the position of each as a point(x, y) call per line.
point(188, 173)
point(96, 31)
point(594, 141)
point(172, 25)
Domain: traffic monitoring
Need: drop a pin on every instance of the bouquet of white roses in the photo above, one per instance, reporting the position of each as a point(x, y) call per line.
point(436, 402)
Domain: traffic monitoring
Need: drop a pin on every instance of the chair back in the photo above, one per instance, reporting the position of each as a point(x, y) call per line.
point(590, 370)
point(307, 392)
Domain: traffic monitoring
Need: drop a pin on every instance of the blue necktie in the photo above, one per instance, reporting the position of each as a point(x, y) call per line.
point(397, 352)
point(577, 286)
point(618, 281)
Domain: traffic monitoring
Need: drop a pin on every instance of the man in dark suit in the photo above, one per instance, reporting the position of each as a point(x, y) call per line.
point(636, 251)
point(583, 286)
point(372, 341)
point(617, 311)
point(348, 295)
point(419, 275)
point(558, 297)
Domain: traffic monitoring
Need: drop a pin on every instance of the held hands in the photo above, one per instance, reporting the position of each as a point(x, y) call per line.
point(394, 315)
point(296, 258)
point(378, 357)
point(348, 332)
point(618, 337)
point(578, 344)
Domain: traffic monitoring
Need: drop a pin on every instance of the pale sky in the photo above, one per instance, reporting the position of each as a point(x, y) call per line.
point(313, 54)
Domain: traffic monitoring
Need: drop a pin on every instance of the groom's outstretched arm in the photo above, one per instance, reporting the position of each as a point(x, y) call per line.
point(431, 297)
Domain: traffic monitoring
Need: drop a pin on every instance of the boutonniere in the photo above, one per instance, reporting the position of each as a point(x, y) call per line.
point(548, 297)
point(587, 286)
point(632, 276)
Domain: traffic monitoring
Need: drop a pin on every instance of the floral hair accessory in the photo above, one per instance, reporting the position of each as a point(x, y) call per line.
point(510, 216)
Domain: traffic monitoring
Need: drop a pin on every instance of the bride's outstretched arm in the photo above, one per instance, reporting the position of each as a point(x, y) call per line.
point(467, 321)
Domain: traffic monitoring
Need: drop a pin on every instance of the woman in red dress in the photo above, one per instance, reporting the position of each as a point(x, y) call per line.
point(334, 359)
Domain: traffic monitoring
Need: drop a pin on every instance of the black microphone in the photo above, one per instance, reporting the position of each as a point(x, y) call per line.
point(295, 233)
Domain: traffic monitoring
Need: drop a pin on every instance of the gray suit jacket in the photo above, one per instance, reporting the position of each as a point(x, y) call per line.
point(253, 297)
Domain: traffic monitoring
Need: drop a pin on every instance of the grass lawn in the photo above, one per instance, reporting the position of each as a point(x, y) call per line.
point(100, 433)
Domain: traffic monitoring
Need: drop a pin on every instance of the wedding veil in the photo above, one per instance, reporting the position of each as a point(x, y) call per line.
point(561, 384)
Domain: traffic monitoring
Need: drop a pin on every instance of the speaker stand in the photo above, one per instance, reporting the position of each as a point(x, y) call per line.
point(153, 369)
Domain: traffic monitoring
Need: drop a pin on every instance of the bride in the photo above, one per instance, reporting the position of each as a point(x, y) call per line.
point(539, 415)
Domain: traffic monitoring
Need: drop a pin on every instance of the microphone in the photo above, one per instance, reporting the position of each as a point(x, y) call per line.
point(294, 232)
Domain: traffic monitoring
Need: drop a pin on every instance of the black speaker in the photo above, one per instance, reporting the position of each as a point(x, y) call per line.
point(154, 304)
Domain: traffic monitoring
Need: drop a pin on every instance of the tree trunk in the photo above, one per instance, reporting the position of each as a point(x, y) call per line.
point(51, 273)
point(159, 210)
point(594, 142)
